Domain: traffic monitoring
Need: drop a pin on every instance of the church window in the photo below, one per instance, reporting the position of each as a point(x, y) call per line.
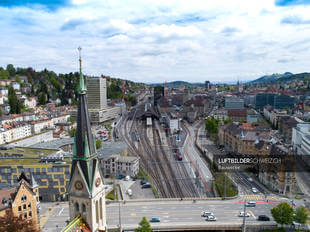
point(101, 216)
point(77, 208)
point(83, 208)
point(97, 213)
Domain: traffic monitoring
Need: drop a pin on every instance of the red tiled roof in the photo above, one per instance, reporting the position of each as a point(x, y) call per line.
point(240, 113)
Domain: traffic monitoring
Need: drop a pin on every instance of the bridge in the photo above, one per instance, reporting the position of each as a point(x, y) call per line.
point(185, 215)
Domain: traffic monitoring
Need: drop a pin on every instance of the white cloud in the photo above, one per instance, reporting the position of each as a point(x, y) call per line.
point(159, 40)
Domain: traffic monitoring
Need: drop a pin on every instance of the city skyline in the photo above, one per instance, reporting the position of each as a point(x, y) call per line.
point(157, 41)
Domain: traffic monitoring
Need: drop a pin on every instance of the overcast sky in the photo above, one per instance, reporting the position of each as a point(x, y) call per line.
point(158, 40)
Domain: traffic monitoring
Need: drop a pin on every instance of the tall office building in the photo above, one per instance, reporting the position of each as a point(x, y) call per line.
point(97, 92)
point(234, 103)
point(207, 85)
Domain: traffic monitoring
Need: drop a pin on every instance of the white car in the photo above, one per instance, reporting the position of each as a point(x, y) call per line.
point(127, 178)
point(211, 218)
point(254, 190)
point(241, 214)
point(206, 214)
point(129, 192)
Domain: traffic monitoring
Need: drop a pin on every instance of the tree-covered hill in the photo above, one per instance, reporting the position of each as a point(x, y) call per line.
point(48, 86)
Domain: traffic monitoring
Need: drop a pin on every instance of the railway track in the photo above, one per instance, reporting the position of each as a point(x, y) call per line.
point(171, 180)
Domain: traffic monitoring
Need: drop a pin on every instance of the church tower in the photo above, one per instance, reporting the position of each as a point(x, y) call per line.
point(86, 190)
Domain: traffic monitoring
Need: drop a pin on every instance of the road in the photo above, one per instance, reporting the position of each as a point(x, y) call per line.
point(174, 212)
point(183, 212)
point(193, 156)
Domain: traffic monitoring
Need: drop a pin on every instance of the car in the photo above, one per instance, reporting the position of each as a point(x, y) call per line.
point(206, 214)
point(142, 182)
point(263, 218)
point(127, 178)
point(146, 185)
point(211, 218)
point(254, 190)
point(250, 179)
point(250, 204)
point(242, 214)
point(155, 219)
point(120, 176)
point(129, 192)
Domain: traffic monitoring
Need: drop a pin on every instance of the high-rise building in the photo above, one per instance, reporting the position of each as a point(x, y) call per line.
point(207, 85)
point(86, 191)
point(97, 92)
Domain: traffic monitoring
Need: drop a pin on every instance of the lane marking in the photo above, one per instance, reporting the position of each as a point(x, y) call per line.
point(60, 212)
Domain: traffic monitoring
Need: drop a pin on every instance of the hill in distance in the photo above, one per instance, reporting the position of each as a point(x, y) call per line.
point(285, 77)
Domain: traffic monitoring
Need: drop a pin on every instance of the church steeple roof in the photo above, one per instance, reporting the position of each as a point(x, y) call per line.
point(84, 151)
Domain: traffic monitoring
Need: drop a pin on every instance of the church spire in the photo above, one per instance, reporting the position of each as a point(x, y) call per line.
point(81, 87)
point(84, 151)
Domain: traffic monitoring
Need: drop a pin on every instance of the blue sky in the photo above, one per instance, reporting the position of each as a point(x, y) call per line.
point(158, 40)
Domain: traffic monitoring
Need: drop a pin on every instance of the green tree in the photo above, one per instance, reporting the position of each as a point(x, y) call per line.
point(15, 104)
point(98, 143)
point(144, 226)
point(114, 92)
point(228, 120)
point(283, 213)
point(10, 68)
point(300, 215)
point(4, 75)
point(11, 223)
point(71, 119)
point(41, 99)
point(18, 79)
point(72, 132)
point(211, 125)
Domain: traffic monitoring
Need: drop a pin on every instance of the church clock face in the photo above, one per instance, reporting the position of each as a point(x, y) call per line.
point(97, 181)
point(78, 185)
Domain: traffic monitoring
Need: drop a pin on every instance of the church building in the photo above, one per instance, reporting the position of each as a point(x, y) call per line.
point(86, 190)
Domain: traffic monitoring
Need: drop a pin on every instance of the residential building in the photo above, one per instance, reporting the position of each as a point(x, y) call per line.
point(286, 125)
point(115, 159)
point(276, 175)
point(301, 139)
point(220, 114)
point(4, 90)
point(22, 198)
point(252, 116)
point(245, 138)
point(3, 99)
point(15, 85)
point(234, 103)
point(237, 115)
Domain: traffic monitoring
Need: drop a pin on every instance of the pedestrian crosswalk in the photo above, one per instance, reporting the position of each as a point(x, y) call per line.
point(259, 197)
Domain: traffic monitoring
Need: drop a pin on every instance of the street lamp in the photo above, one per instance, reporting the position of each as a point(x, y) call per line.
point(243, 224)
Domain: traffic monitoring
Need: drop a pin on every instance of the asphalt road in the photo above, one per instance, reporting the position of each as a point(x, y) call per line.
point(183, 212)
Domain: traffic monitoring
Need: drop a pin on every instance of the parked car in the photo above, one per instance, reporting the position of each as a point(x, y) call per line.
point(211, 218)
point(127, 178)
point(254, 190)
point(146, 185)
point(155, 219)
point(250, 179)
point(263, 218)
point(242, 214)
point(250, 204)
point(142, 182)
point(120, 176)
point(206, 214)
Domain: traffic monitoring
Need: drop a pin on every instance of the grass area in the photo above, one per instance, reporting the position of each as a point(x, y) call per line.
point(110, 195)
point(143, 175)
point(220, 180)
point(14, 161)
point(30, 151)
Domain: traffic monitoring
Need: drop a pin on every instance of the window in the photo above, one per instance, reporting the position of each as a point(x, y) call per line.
point(83, 208)
point(29, 205)
point(77, 208)
point(23, 198)
point(24, 206)
point(97, 212)
point(25, 215)
point(19, 208)
point(101, 215)
point(30, 214)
